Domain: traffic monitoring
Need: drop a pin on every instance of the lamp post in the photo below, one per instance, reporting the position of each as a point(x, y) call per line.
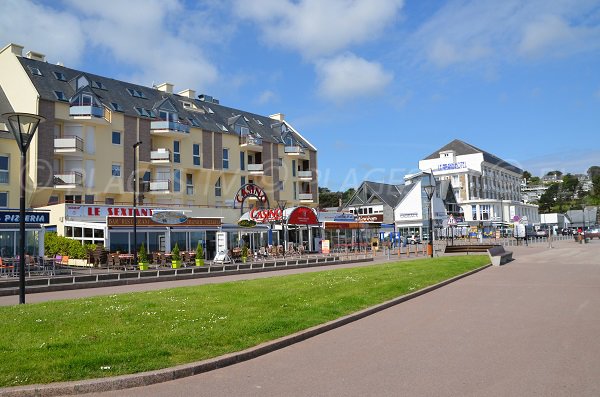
point(281, 205)
point(135, 250)
point(502, 216)
point(23, 126)
point(429, 187)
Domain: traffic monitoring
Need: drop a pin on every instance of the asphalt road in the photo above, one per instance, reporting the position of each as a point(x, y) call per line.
point(529, 328)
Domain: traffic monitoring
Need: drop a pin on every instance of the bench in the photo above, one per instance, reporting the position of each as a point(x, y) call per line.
point(499, 256)
point(451, 249)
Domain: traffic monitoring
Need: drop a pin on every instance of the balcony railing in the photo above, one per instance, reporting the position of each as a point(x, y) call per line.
point(68, 144)
point(250, 140)
point(305, 197)
point(255, 168)
point(160, 126)
point(160, 186)
point(306, 175)
point(294, 150)
point(160, 155)
point(89, 111)
point(68, 180)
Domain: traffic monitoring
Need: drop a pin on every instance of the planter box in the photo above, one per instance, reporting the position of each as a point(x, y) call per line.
point(175, 264)
point(79, 262)
point(199, 262)
point(143, 266)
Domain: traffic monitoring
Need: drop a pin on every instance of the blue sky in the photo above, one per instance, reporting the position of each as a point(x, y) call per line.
point(375, 85)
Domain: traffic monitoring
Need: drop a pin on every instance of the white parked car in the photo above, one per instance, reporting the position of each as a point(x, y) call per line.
point(413, 239)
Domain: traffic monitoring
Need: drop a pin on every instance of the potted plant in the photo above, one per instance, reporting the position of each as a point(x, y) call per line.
point(142, 258)
point(244, 253)
point(175, 257)
point(199, 255)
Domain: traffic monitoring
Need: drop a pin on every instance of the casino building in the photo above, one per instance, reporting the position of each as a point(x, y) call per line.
point(194, 156)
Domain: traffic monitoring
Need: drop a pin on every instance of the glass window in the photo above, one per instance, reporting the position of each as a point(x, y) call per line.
point(119, 242)
point(242, 180)
point(176, 180)
point(60, 95)
point(4, 169)
point(116, 107)
point(474, 212)
point(3, 199)
point(70, 198)
point(225, 158)
point(116, 170)
point(218, 188)
point(293, 167)
point(176, 152)
point(196, 153)
point(116, 137)
point(242, 161)
point(60, 76)
point(189, 184)
point(89, 199)
point(179, 238)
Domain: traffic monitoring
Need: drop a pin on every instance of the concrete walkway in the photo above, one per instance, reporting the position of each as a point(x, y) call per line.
point(529, 328)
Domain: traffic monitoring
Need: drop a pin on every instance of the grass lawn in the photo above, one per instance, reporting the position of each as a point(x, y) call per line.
point(128, 333)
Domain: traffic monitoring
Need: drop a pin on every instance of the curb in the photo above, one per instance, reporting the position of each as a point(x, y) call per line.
point(185, 370)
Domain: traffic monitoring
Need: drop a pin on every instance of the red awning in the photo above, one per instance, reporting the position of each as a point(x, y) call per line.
point(302, 216)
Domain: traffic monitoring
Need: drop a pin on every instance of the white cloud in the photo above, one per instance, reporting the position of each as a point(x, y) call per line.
point(347, 77)
point(159, 39)
point(473, 31)
point(57, 34)
point(266, 97)
point(318, 28)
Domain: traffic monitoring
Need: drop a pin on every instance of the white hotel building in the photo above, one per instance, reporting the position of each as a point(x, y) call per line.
point(486, 187)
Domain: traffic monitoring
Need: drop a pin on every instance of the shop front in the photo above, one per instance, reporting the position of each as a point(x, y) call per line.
point(35, 223)
point(161, 234)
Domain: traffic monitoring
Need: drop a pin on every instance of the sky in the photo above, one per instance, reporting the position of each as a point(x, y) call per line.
point(374, 85)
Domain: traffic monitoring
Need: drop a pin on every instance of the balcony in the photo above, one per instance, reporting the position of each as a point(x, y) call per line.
point(68, 146)
point(86, 112)
point(160, 186)
point(256, 169)
point(160, 156)
point(69, 180)
point(295, 150)
point(164, 127)
point(305, 175)
point(251, 142)
point(305, 197)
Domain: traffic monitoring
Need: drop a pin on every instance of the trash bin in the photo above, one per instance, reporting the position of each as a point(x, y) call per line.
point(429, 249)
point(586, 240)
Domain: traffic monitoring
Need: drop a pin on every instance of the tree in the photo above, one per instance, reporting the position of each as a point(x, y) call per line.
point(549, 198)
point(556, 173)
point(526, 175)
point(534, 180)
point(569, 185)
point(593, 171)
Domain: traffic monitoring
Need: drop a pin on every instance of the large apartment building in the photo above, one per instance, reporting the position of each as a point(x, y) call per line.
point(195, 152)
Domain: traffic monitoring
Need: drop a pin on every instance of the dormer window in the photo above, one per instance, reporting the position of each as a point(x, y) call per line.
point(82, 82)
point(83, 100)
point(60, 96)
point(136, 93)
point(167, 116)
point(116, 107)
point(194, 122)
point(144, 112)
point(60, 76)
point(222, 127)
point(288, 140)
point(242, 130)
point(258, 121)
point(98, 84)
point(35, 71)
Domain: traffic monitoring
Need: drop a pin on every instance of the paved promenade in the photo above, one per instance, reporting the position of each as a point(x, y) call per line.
point(530, 328)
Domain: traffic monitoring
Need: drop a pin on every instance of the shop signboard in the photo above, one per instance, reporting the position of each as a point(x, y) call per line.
point(374, 218)
point(325, 246)
point(169, 217)
point(265, 215)
point(146, 222)
point(302, 216)
point(102, 211)
point(13, 217)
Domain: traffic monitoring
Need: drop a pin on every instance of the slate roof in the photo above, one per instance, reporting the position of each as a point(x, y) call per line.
point(462, 148)
point(389, 194)
point(209, 117)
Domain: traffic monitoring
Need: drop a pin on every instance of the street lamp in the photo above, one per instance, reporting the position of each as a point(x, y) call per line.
point(135, 250)
point(281, 205)
point(23, 126)
point(429, 187)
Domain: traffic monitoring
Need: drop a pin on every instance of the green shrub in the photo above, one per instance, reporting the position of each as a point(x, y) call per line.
point(142, 254)
point(199, 251)
point(175, 253)
point(60, 245)
point(244, 251)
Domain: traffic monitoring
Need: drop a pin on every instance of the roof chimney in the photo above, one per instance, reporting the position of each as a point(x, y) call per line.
point(15, 49)
point(189, 93)
point(277, 116)
point(38, 56)
point(165, 87)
